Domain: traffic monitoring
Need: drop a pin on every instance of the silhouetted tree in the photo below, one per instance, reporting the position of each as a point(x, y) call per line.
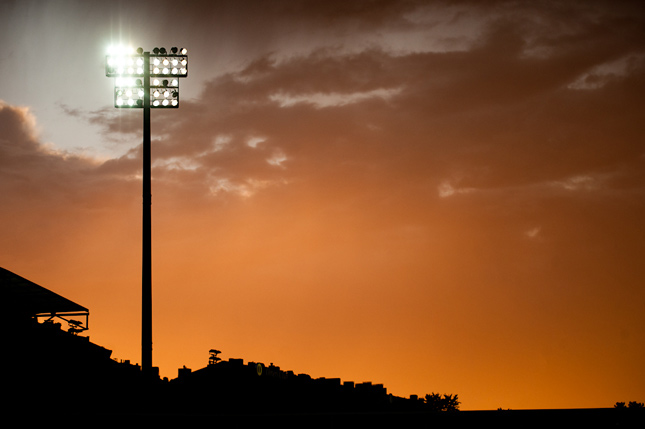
point(435, 402)
point(631, 404)
point(213, 359)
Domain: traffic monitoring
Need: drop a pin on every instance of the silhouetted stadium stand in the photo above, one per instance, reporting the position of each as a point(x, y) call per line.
point(49, 372)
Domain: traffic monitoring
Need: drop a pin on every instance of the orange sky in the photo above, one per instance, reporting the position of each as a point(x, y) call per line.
point(436, 196)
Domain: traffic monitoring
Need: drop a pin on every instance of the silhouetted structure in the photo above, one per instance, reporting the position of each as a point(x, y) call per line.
point(52, 368)
point(255, 388)
point(28, 300)
point(153, 83)
point(50, 371)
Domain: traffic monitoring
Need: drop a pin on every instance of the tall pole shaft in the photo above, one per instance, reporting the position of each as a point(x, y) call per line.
point(146, 265)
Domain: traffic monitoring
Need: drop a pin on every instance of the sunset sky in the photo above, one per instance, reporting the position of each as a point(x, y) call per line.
point(439, 196)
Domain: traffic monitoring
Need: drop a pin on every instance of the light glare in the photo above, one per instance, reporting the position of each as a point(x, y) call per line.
point(116, 50)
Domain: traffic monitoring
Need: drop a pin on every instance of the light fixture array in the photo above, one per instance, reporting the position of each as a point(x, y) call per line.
point(163, 72)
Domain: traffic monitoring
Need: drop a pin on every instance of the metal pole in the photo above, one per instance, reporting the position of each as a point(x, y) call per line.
point(146, 266)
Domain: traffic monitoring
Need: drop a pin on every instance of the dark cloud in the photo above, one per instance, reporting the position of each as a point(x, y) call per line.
point(501, 115)
point(24, 158)
point(36, 177)
point(52, 201)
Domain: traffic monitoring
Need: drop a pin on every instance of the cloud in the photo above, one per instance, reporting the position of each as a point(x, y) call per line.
point(321, 100)
point(34, 172)
point(255, 141)
point(54, 201)
point(600, 75)
point(27, 161)
point(446, 189)
point(373, 116)
point(533, 232)
point(277, 158)
point(577, 183)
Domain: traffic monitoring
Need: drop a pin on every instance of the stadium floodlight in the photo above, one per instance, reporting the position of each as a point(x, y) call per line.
point(139, 73)
point(145, 80)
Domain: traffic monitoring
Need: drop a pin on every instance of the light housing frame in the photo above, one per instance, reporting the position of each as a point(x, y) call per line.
point(164, 94)
point(164, 70)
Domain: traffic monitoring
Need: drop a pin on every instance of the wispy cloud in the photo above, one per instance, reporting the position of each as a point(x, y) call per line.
point(322, 100)
point(577, 183)
point(600, 75)
point(533, 232)
point(446, 189)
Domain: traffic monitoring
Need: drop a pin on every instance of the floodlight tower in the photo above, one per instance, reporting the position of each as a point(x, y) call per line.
point(146, 81)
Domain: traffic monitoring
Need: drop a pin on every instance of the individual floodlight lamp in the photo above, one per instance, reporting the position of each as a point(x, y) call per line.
point(145, 80)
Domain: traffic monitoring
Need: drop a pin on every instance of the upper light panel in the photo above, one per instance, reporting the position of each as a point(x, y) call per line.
point(130, 63)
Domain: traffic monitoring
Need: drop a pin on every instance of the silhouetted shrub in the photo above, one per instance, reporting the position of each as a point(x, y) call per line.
point(435, 402)
point(631, 405)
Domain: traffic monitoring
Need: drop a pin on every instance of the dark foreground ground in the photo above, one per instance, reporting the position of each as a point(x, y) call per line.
point(576, 418)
